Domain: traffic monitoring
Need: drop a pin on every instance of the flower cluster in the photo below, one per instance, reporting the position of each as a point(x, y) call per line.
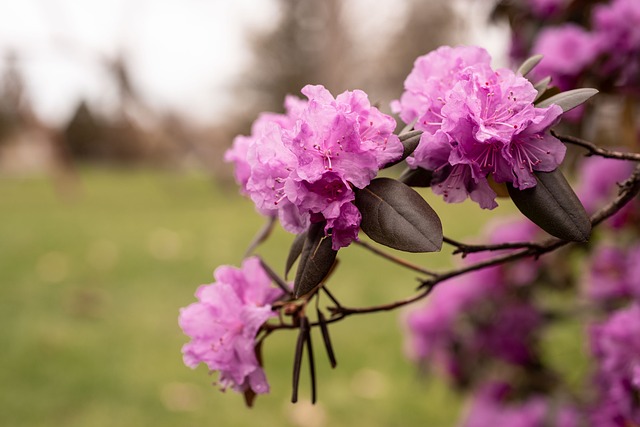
point(479, 317)
point(598, 180)
point(224, 323)
point(616, 347)
point(303, 165)
point(610, 49)
point(477, 122)
point(491, 407)
point(613, 273)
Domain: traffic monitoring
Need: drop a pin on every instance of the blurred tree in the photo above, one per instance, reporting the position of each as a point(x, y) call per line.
point(313, 44)
point(427, 25)
point(309, 44)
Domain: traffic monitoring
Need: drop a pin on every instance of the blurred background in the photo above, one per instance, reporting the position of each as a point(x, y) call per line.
point(115, 203)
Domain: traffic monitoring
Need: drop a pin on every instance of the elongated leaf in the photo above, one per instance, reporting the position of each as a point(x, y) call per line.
point(394, 215)
point(541, 87)
point(294, 252)
point(322, 321)
point(417, 177)
point(312, 363)
point(303, 336)
point(316, 260)
point(570, 99)
point(529, 64)
point(554, 207)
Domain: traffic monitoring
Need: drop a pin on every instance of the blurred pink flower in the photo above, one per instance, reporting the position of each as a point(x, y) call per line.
point(616, 348)
point(568, 50)
point(224, 322)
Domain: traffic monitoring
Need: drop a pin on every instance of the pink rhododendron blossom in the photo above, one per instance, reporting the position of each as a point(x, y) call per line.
point(616, 26)
point(607, 277)
point(224, 322)
point(476, 122)
point(239, 151)
point(598, 180)
point(616, 347)
point(493, 406)
point(304, 166)
point(568, 50)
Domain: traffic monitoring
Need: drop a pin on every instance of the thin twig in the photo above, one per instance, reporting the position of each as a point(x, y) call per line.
point(395, 259)
point(595, 150)
point(465, 248)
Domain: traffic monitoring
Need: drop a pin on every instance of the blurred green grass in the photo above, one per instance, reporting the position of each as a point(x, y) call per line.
point(90, 291)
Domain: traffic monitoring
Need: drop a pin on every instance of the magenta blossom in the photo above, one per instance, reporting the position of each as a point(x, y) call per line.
point(304, 168)
point(568, 50)
point(607, 278)
point(616, 347)
point(224, 322)
point(617, 29)
point(493, 407)
point(239, 151)
point(476, 122)
point(598, 180)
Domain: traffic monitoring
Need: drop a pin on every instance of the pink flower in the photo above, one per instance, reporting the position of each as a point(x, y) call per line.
point(237, 154)
point(224, 323)
point(476, 122)
point(616, 347)
point(616, 26)
point(304, 166)
point(598, 180)
point(493, 405)
point(568, 50)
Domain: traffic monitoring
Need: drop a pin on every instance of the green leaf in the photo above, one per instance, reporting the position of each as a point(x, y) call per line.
point(529, 64)
point(570, 99)
point(394, 215)
point(541, 86)
point(554, 207)
point(294, 252)
point(316, 260)
point(417, 177)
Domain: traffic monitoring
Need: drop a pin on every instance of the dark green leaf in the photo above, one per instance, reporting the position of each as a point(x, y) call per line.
point(316, 260)
point(548, 93)
point(303, 335)
point(276, 279)
point(394, 215)
point(554, 207)
point(312, 363)
point(417, 177)
point(570, 99)
point(324, 328)
point(529, 64)
point(294, 252)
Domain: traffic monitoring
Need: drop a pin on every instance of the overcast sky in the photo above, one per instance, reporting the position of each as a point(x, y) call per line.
point(182, 53)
